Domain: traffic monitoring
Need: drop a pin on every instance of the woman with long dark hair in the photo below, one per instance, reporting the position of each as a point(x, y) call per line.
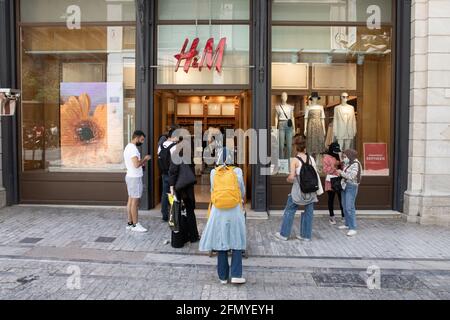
point(181, 173)
point(306, 199)
point(331, 163)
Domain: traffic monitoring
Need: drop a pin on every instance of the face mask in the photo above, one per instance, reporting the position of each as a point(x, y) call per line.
point(346, 161)
point(138, 144)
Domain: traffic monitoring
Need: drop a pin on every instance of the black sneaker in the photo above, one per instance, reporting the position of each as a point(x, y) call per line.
point(194, 240)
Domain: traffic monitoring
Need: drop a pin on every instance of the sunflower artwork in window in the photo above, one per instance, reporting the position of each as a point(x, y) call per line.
point(84, 129)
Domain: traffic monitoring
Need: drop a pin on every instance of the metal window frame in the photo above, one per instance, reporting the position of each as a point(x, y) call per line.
point(8, 79)
point(402, 101)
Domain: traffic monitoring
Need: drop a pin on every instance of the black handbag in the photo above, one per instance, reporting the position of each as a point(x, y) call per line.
point(186, 177)
point(336, 184)
point(289, 121)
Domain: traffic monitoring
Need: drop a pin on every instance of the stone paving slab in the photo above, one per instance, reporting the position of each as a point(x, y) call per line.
point(143, 258)
point(30, 279)
point(80, 228)
point(414, 260)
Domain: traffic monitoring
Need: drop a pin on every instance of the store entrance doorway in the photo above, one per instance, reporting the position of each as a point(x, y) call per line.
point(217, 111)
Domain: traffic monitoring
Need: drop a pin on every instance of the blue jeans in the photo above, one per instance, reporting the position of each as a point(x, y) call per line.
point(348, 203)
point(164, 198)
point(306, 219)
point(285, 136)
point(223, 268)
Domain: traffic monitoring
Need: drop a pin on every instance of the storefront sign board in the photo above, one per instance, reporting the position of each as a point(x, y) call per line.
point(376, 159)
point(210, 56)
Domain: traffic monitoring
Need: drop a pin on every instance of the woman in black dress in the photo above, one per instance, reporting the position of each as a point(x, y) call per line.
point(179, 175)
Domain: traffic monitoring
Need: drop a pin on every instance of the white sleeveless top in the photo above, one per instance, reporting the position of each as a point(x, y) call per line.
point(313, 162)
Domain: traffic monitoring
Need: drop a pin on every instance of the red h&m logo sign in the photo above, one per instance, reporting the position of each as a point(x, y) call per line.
point(210, 56)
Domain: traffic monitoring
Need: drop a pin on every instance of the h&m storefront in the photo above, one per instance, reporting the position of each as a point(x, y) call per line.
point(91, 72)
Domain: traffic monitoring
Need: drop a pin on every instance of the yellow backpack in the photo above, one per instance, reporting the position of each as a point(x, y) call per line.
point(225, 192)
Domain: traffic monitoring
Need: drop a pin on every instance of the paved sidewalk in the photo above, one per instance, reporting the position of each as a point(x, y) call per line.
point(38, 244)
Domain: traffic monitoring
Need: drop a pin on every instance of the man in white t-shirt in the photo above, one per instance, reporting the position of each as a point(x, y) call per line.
point(135, 185)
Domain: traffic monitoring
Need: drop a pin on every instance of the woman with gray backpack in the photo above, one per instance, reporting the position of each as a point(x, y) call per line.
point(305, 189)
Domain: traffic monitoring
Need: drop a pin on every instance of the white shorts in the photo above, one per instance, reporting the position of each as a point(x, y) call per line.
point(135, 187)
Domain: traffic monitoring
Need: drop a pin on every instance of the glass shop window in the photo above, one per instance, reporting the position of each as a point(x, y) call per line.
point(203, 42)
point(204, 9)
point(78, 97)
point(332, 10)
point(333, 84)
point(234, 58)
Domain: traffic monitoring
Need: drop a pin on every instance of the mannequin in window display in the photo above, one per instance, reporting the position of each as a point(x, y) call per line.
point(3, 104)
point(344, 123)
point(53, 136)
point(284, 117)
point(315, 130)
point(7, 105)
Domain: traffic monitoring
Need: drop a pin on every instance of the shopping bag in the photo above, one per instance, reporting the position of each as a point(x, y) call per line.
point(171, 197)
point(175, 214)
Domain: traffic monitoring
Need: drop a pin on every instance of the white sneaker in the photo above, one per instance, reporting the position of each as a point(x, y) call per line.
point(223, 281)
point(280, 237)
point(332, 220)
point(129, 227)
point(138, 228)
point(351, 233)
point(238, 280)
point(343, 227)
point(303, 239)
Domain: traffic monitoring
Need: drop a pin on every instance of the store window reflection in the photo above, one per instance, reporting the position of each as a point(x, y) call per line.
point(330, 10)
point(204, 9)
point(78, 97)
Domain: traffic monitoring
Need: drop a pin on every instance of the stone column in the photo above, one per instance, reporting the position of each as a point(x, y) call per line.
point(427, 199)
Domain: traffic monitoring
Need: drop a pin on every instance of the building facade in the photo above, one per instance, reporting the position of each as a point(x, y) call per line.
point(91, 72)
point(427, 199)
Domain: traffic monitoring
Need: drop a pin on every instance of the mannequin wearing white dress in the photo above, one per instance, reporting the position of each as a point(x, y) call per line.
point(344, 123)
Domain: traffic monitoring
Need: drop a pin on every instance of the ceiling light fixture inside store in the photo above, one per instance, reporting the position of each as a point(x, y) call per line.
point(330, 57)
point(297, 56)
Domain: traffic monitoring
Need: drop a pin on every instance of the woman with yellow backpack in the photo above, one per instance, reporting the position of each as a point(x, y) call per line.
point(225, 229)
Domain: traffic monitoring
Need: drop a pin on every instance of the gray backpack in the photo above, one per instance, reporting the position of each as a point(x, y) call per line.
point(298, 196)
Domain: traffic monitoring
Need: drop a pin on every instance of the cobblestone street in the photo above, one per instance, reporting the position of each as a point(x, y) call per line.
point(44, 249)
